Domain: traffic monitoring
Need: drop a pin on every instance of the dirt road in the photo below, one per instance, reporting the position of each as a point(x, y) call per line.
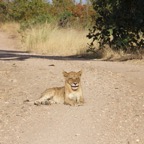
point(113, 91)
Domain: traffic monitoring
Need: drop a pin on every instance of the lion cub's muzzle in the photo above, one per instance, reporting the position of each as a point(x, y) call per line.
point(74, 86)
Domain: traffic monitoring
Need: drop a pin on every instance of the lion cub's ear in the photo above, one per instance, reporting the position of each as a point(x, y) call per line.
point(80, 73)
point(65, 74)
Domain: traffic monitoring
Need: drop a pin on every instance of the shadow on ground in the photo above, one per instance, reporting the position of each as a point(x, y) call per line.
point(21, 56)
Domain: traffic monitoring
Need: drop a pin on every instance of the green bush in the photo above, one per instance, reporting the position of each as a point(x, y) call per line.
point(3, 12)
point(64, 18)
point(24, 10)
point(40, 19)
point(119, 24)
point(30, 12)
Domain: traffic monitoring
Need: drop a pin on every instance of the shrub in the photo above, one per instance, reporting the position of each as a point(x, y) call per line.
point(119, 24)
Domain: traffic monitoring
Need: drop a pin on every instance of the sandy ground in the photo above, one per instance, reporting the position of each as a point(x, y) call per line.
point(113, 91)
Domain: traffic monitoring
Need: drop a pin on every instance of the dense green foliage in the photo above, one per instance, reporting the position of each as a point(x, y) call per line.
point(24, 11)
point(119, 24)
point(29, 12)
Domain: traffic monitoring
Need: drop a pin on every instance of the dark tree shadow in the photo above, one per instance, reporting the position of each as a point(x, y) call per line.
point(7, 55)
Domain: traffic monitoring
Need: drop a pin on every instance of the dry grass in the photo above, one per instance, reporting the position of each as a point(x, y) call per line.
point(51, 40)
point(106, 53)
point(12, 28)
point(110, 54)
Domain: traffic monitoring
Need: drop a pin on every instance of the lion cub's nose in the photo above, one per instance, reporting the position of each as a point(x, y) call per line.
point(75, 83)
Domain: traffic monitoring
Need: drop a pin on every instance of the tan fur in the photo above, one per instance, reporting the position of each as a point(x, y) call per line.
point(70, 93)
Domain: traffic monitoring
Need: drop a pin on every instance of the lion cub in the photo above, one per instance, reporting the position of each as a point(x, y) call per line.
point(70, 93)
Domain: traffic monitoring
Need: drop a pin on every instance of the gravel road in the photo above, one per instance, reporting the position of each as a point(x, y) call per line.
point(113, 91)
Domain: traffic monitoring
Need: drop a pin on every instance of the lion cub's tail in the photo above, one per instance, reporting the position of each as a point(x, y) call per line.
point(27, 101)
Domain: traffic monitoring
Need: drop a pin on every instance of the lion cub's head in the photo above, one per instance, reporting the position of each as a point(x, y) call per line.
point(73, 79)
